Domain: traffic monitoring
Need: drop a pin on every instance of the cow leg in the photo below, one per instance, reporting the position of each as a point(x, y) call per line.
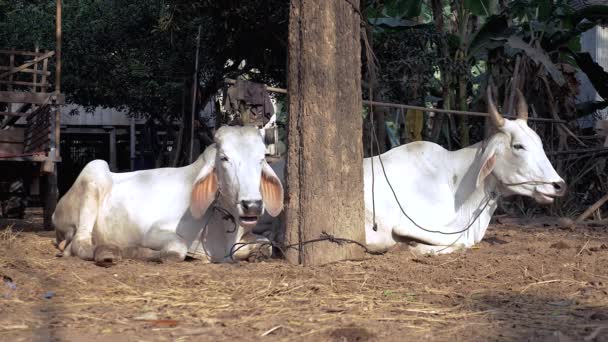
point(82, 244)
point(250, 245)
point(172, 247)
point(423, 249)
point(67, 251)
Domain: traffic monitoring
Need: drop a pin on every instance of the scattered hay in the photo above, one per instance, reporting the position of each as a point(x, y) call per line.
point(8, 236)
point(469, 297)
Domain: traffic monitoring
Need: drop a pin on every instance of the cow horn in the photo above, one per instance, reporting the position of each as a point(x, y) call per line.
point(497, 119)
point(522, 106)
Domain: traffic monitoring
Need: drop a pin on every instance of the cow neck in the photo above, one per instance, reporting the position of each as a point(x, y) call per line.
point(221, 214)
point(469, 199)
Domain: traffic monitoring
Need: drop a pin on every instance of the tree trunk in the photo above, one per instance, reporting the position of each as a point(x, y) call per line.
point(324, 172)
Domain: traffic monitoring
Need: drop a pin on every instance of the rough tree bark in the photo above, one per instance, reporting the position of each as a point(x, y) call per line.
point(324, 173)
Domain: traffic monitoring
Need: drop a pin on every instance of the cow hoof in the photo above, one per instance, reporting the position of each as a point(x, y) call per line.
point(261, 253)
point(107, 255)
point(61, 245)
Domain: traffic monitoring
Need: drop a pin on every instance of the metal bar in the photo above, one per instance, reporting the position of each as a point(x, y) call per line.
point(579, 151)
point(424, 109)
point(449, 111)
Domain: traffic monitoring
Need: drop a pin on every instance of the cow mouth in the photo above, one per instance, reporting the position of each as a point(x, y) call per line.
point(248, 220)
point(545, 198)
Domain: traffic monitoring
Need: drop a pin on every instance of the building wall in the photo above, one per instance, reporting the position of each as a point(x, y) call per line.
point(594, 41)
point(98, 117)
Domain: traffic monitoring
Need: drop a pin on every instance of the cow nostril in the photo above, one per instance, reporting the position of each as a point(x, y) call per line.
point(558, 186)
point(251, 205)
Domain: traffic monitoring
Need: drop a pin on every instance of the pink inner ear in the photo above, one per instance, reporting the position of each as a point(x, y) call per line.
point(203, 194)
point(486, 169)
point(272, 194)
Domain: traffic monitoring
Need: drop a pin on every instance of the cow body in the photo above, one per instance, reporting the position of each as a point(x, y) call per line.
point(437, 200)
point(436, 189)
point(174, 211)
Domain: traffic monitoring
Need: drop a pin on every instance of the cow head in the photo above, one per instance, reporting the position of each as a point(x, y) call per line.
point(236, 172)
point(515, 156)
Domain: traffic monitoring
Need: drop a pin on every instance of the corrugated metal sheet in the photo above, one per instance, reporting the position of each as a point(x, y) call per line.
point(594, 41)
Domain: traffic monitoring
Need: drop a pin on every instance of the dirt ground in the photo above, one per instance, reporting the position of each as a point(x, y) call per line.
point(522, 283)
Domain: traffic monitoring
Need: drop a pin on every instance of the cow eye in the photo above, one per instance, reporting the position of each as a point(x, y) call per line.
point(224, 158)
point(519, 147)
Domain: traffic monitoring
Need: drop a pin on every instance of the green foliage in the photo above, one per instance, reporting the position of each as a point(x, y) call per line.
point(402, 8)
point(140, 54)
point(480, 7)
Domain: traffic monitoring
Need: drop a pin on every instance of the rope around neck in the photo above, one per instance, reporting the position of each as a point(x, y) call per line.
point(373, 136)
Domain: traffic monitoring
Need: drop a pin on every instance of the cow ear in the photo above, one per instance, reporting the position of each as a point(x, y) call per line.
point(203, 192)
point(486, 168)
point(272, 191)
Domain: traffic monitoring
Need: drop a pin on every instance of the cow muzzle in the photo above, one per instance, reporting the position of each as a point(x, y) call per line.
point(249, 212)
point(547, 193)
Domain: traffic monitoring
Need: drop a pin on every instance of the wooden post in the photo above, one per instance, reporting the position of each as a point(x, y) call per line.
point(324, 174)
point(58, 49)
point(10, 79)
point(51, 192)
point(35, 74)
point(112, 140)
point(58, 78)
point(132, 142)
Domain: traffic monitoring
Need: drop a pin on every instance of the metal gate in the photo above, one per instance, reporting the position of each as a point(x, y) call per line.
point(76, 151)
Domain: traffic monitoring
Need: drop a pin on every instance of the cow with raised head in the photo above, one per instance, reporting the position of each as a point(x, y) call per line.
point(449, 196)
point(201, 210)
point(438, 200)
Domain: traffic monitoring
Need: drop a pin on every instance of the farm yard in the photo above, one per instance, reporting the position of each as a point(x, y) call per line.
point(524, 282)
point(299, 170)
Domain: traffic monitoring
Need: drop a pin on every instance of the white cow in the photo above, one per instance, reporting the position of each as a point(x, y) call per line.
point(451, 196)
point(202, 209)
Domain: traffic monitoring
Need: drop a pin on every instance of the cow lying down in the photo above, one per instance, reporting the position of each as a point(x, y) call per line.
point(450, 196)
point(200, 210)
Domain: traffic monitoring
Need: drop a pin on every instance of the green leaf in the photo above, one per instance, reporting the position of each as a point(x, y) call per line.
point(393, 22)
point(402, 8)
point(480, 7)
point(539, 56)
point(545, 9)
point(490, 36)
point(575, 44)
